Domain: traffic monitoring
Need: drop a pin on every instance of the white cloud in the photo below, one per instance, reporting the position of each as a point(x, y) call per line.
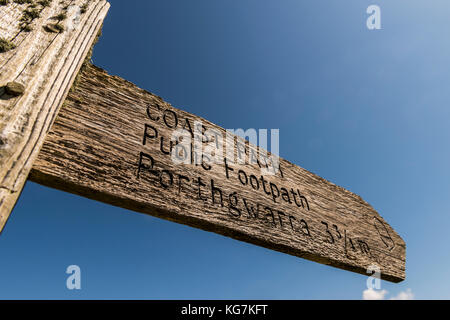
point(404, 295)
point(371, 294)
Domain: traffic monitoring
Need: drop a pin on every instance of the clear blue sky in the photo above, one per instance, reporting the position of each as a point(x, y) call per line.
point(368, 110)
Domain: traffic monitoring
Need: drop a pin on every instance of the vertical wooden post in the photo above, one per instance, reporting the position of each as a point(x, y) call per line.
point(42, 47)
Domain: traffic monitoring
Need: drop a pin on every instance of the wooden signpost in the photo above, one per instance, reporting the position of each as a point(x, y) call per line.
point(117, 143)
point(42, 46)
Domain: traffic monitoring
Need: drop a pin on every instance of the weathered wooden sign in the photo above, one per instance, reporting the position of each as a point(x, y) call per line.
point(119, 144)
point(42, 46)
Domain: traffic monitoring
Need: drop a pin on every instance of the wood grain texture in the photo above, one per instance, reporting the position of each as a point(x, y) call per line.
point(102, 146)
point(49, 42)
